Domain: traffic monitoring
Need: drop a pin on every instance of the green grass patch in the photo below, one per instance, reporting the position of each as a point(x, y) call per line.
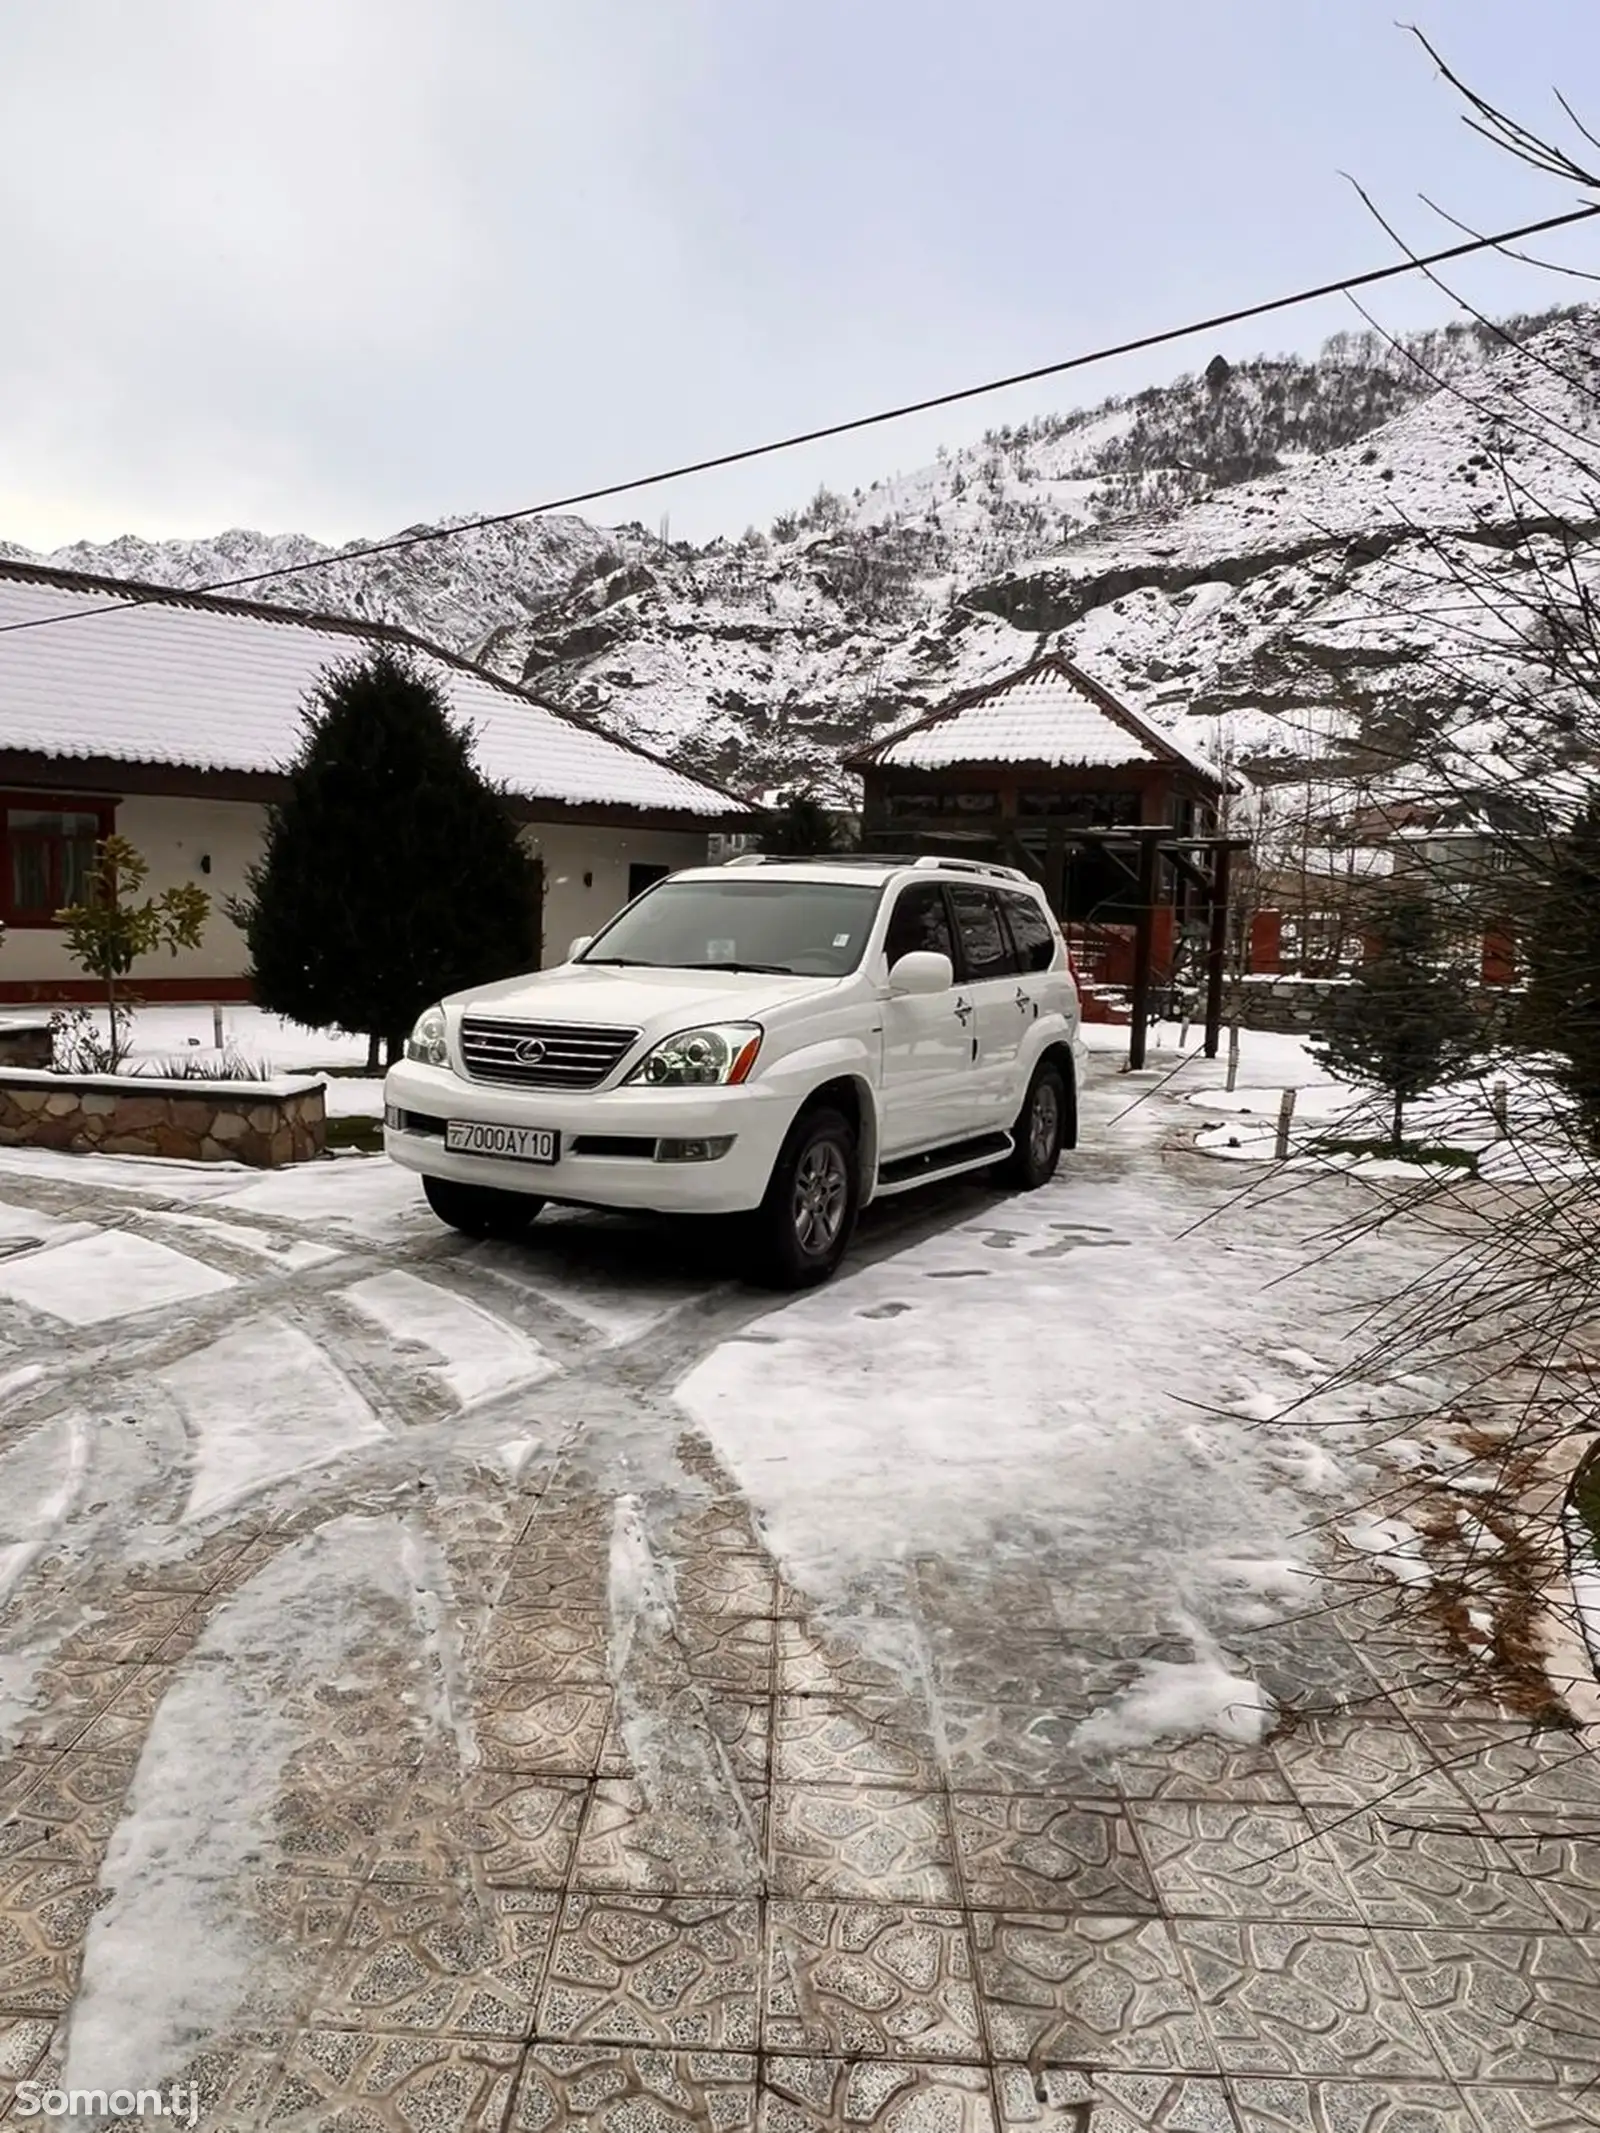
point(365, 1134)
point(1404, 1152)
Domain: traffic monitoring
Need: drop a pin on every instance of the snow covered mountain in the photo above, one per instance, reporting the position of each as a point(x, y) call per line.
point(1251, 551)
point(451, 592)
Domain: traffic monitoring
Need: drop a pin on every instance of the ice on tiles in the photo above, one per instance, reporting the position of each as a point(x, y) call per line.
point(263, 1403)
point(479, 1355)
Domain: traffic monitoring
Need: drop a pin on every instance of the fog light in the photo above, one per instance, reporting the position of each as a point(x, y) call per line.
point(393, 1118)
point(705, 1151)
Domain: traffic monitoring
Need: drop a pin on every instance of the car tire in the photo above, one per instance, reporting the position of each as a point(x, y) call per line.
point(481, 1210)
point(803, 1226)
point(1038, 1133)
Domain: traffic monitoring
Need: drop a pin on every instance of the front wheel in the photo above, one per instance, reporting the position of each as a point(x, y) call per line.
point(1037, 1134)
point(481, 1210)
point(803, 1225)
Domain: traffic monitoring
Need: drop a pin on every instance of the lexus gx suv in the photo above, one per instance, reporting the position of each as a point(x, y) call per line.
point(774, 1039)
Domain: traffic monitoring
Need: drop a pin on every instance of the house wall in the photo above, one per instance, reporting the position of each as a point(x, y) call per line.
point(574, 904)
point(175, 834)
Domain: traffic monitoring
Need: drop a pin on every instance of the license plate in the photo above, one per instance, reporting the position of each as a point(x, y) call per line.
point(521, 1144)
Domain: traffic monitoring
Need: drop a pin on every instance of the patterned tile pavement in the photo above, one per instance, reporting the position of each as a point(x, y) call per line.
point(731, 1873)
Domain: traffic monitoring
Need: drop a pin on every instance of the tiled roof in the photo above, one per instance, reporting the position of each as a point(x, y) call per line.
point(1049, 712)
point(159, 676)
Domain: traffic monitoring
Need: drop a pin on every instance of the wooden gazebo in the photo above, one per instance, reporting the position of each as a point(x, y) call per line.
point(1047, 770)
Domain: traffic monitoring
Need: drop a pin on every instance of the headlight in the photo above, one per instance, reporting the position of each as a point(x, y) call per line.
point(426, 1041)
point(716, 1056)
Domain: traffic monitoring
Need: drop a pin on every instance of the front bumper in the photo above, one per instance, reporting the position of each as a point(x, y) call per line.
point(755, 1119)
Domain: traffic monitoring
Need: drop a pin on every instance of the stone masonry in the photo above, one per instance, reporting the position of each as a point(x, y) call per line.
point(264, 1124)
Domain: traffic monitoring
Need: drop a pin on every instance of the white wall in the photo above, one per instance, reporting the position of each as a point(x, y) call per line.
point(574, 904)
point(174, 835)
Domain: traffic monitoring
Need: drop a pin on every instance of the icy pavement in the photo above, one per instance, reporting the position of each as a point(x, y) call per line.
point(474, 1686)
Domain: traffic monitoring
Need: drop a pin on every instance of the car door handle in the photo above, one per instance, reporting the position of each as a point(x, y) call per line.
point(963, 1009)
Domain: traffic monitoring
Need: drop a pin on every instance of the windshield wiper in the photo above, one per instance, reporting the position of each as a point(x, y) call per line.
point(631, 962)
point(769, 970)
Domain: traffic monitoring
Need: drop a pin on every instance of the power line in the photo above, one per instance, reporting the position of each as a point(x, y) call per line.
point(835, 429)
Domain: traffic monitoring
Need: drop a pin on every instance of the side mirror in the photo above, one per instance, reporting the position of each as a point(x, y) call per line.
point(580, 942)
point(922, 972)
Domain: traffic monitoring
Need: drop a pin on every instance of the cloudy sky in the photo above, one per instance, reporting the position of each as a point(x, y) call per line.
point(341, 266)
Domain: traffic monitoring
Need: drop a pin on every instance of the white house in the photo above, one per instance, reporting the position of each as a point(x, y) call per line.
point(168, 716)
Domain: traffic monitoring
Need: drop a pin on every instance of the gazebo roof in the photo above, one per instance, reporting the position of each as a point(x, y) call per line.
point(1049, 713)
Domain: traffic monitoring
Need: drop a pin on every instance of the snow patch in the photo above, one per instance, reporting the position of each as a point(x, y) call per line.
point(174, 1954)
point(1395, 1544)
point(108, 1275)
point(263, 1403)
point(1179, 1700)
point(482, 1356)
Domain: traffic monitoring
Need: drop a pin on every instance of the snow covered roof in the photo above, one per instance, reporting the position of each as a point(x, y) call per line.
point(146, 674)
point(1047, 712)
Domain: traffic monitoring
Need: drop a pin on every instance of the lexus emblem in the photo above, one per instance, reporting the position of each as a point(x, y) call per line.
point(530, 1051)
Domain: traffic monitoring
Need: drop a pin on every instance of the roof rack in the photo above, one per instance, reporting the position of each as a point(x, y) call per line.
point(971, 866)
point(820, 859)
point(991, 868)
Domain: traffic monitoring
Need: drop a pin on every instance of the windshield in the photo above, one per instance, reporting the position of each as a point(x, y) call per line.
point(814, 929)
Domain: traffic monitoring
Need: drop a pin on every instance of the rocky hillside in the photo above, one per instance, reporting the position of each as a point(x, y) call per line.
point(451, 592)
point(1252, 550)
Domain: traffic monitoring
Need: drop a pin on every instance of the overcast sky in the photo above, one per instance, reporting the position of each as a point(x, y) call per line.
point(342, 266)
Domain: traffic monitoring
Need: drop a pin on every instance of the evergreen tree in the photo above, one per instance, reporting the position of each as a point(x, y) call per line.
point(392, 873)
point(801, 825)
point(1560, 1010)
point(1407, 1024)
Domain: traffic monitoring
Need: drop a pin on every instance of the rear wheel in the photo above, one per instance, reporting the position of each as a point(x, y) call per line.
point(481, 1210)
point(803, 1225)
point(1038, 1132)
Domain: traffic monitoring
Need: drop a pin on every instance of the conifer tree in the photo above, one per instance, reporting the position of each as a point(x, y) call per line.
point(391, 874)
point(1407, 1023)
point(801, 824)
point(1560, 1009)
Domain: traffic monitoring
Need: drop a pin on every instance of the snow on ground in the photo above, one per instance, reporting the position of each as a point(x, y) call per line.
point(293, 1254)
point(1174, 1700)
point(1060, 1366)
point(480, 1355)
point(369, 1196)
point(179, 1943)
point(110, 1275)
point(263, 1403)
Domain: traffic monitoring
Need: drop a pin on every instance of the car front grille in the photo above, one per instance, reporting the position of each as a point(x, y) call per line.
point(571, 1055)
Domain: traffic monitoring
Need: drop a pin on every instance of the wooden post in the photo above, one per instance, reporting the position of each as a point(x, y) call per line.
point(1280, 1149)
point(1217, 949)
point(1148, 857)
point(1055, 872)
point(1233, 1053)
point(216, 1027)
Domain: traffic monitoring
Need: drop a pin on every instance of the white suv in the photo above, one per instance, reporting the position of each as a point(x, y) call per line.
point(779, 1039)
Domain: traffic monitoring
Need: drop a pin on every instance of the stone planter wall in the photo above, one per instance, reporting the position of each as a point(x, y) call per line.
point(1295, 1005)
point(1289, 1004)
point(25, 1044)
point(263, 1123)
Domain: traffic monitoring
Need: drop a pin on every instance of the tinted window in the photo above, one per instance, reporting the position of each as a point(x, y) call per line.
point(803, 928)
point(919, 922)
point(984, 940)
point(1030, 929)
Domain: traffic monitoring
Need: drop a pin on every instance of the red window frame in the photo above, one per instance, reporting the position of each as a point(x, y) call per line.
point(105, 813)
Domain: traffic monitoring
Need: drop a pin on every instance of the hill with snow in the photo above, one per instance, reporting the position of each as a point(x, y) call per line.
point(1256, 552)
